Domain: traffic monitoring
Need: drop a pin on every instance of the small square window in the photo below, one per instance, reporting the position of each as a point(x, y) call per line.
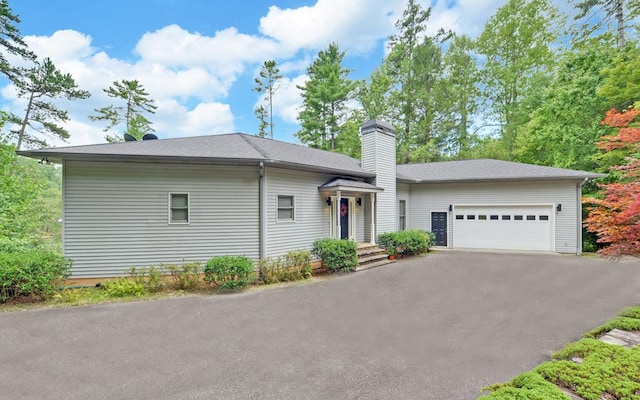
point(286, 210)
point(458, 216)
point(471, 217)
point(506, 217)
point(543, 218)
point(494, 217)
point(179, 208)
point(518, 217)
point(482, 217)
point(531, 217)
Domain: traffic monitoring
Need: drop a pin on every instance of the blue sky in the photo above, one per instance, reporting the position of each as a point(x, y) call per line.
point(198, 58)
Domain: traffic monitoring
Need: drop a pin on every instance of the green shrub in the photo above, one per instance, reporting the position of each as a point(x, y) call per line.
point(529, 385)
point(123, 287)
point(388, 241)
point(406, 242)
point(31, 273)
point(620, 322)
point(336, 254)
point(185, 276)
point(151, 278)
point(295, 265)
point(229, 272)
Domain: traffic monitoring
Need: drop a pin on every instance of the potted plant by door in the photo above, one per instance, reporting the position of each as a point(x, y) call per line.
point(392, 252)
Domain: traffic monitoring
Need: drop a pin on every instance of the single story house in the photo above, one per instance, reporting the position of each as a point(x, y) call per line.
point(189, 199)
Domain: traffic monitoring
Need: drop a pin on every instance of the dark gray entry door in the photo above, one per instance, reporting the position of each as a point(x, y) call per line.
point(344, 218)
point(439, 227)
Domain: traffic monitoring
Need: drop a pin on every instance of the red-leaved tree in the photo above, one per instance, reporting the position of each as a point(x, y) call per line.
point(615, 218)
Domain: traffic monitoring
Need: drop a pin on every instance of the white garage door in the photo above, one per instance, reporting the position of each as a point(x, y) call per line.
point(504, 227)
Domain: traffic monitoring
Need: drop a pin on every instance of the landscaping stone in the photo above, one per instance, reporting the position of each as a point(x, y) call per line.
point(570, 394)
point(622, 338)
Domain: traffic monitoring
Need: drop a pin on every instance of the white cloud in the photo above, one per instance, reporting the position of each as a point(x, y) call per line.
point(61, 46)
point(226, 52)
point(287, 100)
point(356, 25)
point(176, 120)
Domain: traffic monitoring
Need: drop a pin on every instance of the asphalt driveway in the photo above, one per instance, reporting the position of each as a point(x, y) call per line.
point(434, 327)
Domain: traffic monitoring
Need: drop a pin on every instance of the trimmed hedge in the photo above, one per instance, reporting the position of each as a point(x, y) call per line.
point(31, 273)
point(229, 272)
point(336, 254)
point(407, 242)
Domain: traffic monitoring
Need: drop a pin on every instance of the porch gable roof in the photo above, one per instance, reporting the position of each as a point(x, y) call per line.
point(349, 185)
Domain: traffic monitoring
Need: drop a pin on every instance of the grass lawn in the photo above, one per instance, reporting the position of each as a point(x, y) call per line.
point(94, 295)
point(590, 368)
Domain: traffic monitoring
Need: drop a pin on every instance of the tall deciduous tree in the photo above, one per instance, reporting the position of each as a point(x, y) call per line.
point(516, 43)
point(131, 114)
point(604, 12)
point(266, 85)
point(403, 62)
point(564, 127)
point(615, 218)
point(374, 93)
point(40, 86)
point(460, 96)
point(30, 199)
point(621, 85)
point(324, 98)
point(11, 41)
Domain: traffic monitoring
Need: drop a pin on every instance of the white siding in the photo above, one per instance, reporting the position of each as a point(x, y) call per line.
point(427, 198)
point(379, 157)
point(116, 215)
point(312, 214)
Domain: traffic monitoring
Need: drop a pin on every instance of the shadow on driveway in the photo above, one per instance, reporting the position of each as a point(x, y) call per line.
point(435, 327)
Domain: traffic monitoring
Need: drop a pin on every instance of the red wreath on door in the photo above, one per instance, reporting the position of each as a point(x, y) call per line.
point(343, 210)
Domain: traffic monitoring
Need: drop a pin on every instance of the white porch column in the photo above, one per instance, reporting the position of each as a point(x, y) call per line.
point(373, 217)
point(337, 221)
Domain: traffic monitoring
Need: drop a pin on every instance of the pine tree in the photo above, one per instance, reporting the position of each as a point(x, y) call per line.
point(324, 99)
point(11, 41)
point(266, 85)
point(131, 115)
point(619, 10)
point(40, 85)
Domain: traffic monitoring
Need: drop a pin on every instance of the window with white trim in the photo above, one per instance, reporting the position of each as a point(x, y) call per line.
point(402, 215)
point(286, 208)
point(179, 208)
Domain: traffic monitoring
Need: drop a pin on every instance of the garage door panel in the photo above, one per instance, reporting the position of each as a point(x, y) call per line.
point(503, 227)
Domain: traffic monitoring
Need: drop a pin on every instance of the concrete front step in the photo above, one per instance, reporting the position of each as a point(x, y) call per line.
point(370, 250)
point(372, 258)
point(374, 264)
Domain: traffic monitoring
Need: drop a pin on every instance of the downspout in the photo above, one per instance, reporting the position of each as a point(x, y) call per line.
point(262, 188)
point(579, 210)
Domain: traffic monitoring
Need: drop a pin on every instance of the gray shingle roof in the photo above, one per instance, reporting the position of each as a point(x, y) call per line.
point(349, 184)
point(226, 148)
point(240, 148)
point(484, 170)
